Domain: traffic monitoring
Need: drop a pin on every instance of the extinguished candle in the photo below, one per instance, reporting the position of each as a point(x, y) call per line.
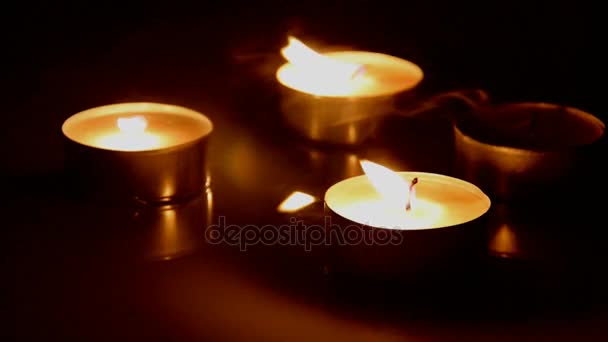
point(525, 150)
point(533, 126)
point(380, 199)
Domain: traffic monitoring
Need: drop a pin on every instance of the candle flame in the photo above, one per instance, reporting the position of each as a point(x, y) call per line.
point(131, 136)
point(295, 201)
point(132, 125)
point(309, 60)
point(392, 187)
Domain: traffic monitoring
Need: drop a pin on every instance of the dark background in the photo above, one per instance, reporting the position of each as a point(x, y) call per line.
point(73, 55)
point(219, 58)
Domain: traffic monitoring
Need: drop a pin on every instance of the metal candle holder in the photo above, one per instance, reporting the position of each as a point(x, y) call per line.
point(524, 150)
point(371, 242)
point(171, 173)
point(411, 251)
point(337, 111)
point(350, 121)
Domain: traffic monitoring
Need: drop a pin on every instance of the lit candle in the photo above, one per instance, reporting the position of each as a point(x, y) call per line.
point(154, 150)
point(339, 96)
point(380, 199)
point(345, 73)
point(394, 223)
point(136, 127)
point(170, 232)
point(147, 233)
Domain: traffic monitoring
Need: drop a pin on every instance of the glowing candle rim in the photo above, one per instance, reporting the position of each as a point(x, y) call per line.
point(135, 108)
point(412, 68)
point(423, 177)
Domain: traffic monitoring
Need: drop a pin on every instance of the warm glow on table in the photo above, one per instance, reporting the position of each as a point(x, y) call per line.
point(136, 126)
point(440, 201)
point(295, 201)
point(345, 73)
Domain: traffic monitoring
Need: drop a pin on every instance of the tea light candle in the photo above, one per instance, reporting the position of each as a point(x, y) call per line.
point(379, 199)
point(387, 224)
point(345, 73)
point(520, 150)
point(338, 96)
point(154, 151)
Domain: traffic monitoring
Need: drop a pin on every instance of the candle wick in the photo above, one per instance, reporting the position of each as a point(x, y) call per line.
point(408, 205)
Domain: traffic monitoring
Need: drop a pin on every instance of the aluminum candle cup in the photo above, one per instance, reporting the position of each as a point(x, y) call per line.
point(149, 151)
point(340, 97)
point(525, 150)
point(444, 224)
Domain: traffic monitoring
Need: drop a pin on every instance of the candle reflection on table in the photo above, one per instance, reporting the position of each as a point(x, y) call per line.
point(179, 230)
point(155, 233)
point(329, 166)
point(531, 233)
point(503, 242)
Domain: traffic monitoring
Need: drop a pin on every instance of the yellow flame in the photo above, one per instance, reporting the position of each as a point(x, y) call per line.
point(131, 136)
point(309, 60)
point(295, 201)
point(393, 188)
point(132, 125)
